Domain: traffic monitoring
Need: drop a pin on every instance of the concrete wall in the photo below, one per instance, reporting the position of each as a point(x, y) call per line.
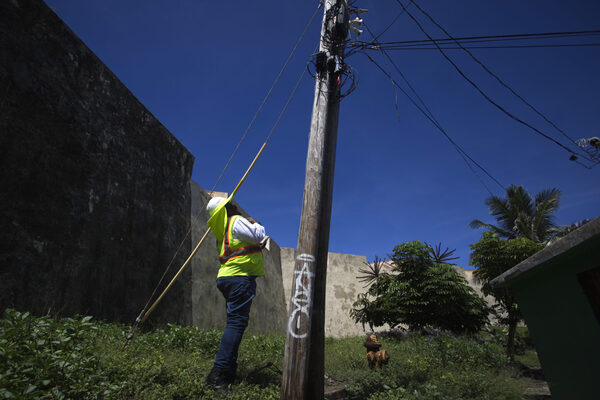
point(94, 194)
point(268, 312)
point(475, 284)
point(342, 290)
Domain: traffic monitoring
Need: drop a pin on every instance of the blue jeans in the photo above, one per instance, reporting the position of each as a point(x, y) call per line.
point(238, 292)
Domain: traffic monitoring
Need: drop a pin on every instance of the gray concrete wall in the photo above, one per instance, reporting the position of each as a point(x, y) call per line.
point(475, 284)
point(94, 194)
point(341, 291)
point(268, 312)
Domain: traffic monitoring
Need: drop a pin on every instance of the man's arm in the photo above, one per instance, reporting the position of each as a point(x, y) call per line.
point(247, 231)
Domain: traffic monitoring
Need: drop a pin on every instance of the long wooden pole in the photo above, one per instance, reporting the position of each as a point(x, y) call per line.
point(303, 372)
point(193, 253)
point(185, 264)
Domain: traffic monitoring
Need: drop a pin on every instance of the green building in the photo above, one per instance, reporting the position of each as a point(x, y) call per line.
point(558, 290)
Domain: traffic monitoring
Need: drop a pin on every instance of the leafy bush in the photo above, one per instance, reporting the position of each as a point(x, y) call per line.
point(421, 294)
point(49, 359)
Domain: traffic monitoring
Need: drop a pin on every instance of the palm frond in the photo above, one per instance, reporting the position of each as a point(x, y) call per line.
point(550, 196)
point(520, 201)
point(501, 232)
point(502, 211)
point(546, 203)
point(372, 272)
point(519, 215)
point(441, 257)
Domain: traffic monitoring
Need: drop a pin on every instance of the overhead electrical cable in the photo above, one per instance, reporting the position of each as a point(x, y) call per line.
point(459, 149)
point(498, 79)
point(146, 314)
point(412, 89)
point(481, 39)
point(486, 96)
point(145, 311)
point(388, 27)
point(447, 47)
point(429, 114)
point(375, 37)
point(268, 94)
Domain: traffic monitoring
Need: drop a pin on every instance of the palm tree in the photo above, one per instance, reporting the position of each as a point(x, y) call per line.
point(521, 216)
point(371, 274)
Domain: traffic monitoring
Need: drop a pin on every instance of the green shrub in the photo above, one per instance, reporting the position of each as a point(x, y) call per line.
point(49, 359)
point(420, 293)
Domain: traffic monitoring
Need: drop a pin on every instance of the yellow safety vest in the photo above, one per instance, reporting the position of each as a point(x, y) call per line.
point(238, 258)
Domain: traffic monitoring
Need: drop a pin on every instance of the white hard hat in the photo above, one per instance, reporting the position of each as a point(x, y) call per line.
point(214, 203)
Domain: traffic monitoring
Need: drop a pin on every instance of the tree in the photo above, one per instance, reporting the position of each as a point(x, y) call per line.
point(492, 257)
point(564, 230)
point(521, 216)
point(420, 293)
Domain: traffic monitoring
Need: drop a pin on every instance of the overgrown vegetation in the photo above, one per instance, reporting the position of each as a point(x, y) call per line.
point(436, 366)
point(83, 359)
point(43, 358)
point(492, 257)
point(420, 293)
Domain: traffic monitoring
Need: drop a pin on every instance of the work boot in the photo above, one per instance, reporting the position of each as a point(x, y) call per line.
point(223, 382)
point(219, 379)
point(213, 376)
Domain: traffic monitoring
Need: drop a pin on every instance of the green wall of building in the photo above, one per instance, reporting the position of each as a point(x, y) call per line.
point(562, 322)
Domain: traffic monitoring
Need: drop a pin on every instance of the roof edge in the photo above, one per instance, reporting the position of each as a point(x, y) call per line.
point(555, 249)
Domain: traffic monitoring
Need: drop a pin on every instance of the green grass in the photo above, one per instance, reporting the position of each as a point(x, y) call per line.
point(529, 358)
point(84, 359)
point(420, 367)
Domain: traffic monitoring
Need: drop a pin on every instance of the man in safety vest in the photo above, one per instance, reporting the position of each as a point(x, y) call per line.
point(239, 241)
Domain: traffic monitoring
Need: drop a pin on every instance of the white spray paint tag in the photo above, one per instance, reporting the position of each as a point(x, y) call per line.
point(302, 298)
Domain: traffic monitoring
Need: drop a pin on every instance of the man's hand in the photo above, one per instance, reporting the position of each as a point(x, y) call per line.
point(251, 220)
point(264, 242)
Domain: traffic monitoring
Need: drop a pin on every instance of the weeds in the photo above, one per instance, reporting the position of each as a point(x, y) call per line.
point(43, 358)
point(439, 366)
point(78, 358)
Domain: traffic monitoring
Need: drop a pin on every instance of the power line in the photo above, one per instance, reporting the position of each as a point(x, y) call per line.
point(375, 37)
point(498, 78)
point(487, 97)
point(486, 38)
point(388, 27)
point(447, 47)
point(403, 77)
point(237, 147)
point(267, 95)
point(432, 118)
point(459, 149)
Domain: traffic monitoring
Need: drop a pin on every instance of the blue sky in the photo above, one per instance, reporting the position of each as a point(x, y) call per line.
point(202, 68)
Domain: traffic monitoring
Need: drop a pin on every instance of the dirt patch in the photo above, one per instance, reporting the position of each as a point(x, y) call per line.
point(335, 390)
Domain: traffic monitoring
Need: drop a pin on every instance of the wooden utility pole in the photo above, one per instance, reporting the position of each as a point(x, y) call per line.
point(303, 369)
